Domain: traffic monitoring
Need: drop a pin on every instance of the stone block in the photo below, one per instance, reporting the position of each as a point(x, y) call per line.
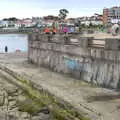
point(84, 41)
point(112, 44)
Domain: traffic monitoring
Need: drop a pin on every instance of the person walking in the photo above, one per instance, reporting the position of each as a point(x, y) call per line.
point(65, 29)
point(47, 30)
point(6, 49)
point(54, 30)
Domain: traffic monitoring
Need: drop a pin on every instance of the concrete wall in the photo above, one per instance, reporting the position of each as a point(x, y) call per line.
point(75, 55)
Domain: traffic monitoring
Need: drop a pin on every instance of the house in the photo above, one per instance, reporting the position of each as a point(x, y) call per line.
point(96, 19)
point(37, 19)
point(11, 24)
point(4, 23)
point(51, 17)
point(18, 23)
point(25, 23)
point(70, 20)
point(86, 22)
point(1, 23)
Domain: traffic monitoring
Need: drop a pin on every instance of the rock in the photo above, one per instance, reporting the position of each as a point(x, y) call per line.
point(12, 105)
point(45, 110)
point(2, 116)
point(10, 96)
point(21, 98)
point(24, 115)
point(12, 117)
point(12, 91)
point(2, 97)
point(41, 116)
point(15, 113)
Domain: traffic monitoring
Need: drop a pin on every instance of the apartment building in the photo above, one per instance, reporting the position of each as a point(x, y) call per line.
point(111, 15)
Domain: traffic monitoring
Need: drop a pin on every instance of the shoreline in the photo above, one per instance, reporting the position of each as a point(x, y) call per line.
point(14, 33)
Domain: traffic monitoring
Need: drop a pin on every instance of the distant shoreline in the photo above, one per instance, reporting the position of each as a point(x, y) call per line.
point(14, 33)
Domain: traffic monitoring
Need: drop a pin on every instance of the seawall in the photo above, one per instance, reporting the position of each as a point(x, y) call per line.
point(95, 61)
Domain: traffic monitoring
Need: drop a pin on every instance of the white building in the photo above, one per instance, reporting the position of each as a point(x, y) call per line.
point(18, 24)
point(115, 21)
point(4, 23)
point(86, 22)
point(97, 22)
point(25, 23)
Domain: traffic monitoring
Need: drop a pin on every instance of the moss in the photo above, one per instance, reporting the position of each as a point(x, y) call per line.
point(30, 106)
point(36, 100)
point(62, 114)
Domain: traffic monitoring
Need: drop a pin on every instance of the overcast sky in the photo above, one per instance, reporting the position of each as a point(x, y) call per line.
point(29, 8)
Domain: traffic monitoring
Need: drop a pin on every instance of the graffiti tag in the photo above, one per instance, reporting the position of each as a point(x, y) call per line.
point(72, 64)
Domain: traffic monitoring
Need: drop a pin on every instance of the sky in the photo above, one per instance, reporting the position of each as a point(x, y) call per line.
point(39, 8)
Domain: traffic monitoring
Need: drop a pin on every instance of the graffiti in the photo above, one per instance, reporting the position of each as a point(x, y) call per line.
point(72, 64)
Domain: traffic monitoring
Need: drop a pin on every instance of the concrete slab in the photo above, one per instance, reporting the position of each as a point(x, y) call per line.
point(95, 101)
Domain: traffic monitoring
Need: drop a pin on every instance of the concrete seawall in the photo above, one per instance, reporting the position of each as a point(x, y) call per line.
point(95, 61)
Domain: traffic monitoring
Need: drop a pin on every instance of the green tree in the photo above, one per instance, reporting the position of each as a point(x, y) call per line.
point(10, 19)
point(63, 13)
point(90, 25)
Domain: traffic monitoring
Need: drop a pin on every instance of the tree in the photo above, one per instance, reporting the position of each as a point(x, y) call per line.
point(90, 25)
point(63, 13)
point(5, 19)
point(10, 19)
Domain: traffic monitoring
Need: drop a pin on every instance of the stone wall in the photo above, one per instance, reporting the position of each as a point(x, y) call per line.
point(95, 61)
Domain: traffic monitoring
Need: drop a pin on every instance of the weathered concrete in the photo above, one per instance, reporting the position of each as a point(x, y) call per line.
point(78, 56)
point(99, 103)
point(12, 98)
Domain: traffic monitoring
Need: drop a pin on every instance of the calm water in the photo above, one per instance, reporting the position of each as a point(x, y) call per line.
point(13, 42)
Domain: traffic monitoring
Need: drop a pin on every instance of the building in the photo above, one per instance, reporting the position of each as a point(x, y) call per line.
point(71, 21)
point(105, 16)
point(5, 23)
point(51, 17)
point(111, 15)
point(37, 20)
point(18, 23)
point(50, 20)
point(96, 19)
point(25, 23)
